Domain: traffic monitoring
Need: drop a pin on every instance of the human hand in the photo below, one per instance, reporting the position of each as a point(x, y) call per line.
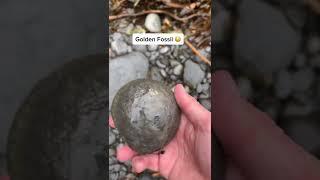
point(256, 147)
point(188, 155)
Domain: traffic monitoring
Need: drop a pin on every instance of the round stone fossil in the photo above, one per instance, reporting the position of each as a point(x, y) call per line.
point(146, 114)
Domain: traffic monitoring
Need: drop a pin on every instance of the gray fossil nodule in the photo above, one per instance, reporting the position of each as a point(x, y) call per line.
point(146, 114)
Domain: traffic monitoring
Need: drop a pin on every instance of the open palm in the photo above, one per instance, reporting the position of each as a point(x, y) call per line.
point(188, 155)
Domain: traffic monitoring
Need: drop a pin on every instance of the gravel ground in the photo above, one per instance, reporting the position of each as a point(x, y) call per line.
point(168, 64)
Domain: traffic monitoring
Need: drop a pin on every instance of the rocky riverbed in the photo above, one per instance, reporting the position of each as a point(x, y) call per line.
point(168, 64)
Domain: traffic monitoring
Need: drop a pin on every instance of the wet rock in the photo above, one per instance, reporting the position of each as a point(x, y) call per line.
point(124, 69)
point(193, 74)
point(139, 115)
point(153, 23)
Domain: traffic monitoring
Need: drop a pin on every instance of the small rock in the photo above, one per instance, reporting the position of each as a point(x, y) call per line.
point(284, 84)
point(173, 77)
point(208, 49)
point(123, 168)
point(111, 152)
point(112, 138)
point(113, 176)
point(313, 44)
point(177, 70)
point(163, 73)
point(154, 56)
point(245, 87)
point(202, 88)
point(117, 36)
point(152, 47)
point(141, 48)
point(155, 74)
point(206, 103)
point(153, 22)
point(187, 89)
point(208, 75)
point(174, 63)
point(112, 160)
point(164, 50)
point(160, 65)
point(165, 61)
point(193, 74)
point(303, 79)
point(119, 47)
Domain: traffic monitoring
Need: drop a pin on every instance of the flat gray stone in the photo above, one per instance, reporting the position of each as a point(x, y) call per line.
point(193, 74)
point(124, 69)
point(265, 41)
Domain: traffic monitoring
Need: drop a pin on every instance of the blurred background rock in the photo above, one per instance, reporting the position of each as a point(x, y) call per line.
point(273, 50)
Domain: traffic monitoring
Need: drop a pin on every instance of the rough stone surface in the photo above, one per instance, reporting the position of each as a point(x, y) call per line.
point(124, 69)
point(146, 115)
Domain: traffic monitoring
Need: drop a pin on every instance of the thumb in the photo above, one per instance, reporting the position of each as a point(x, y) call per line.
point(195, 113)
point(253, 141)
